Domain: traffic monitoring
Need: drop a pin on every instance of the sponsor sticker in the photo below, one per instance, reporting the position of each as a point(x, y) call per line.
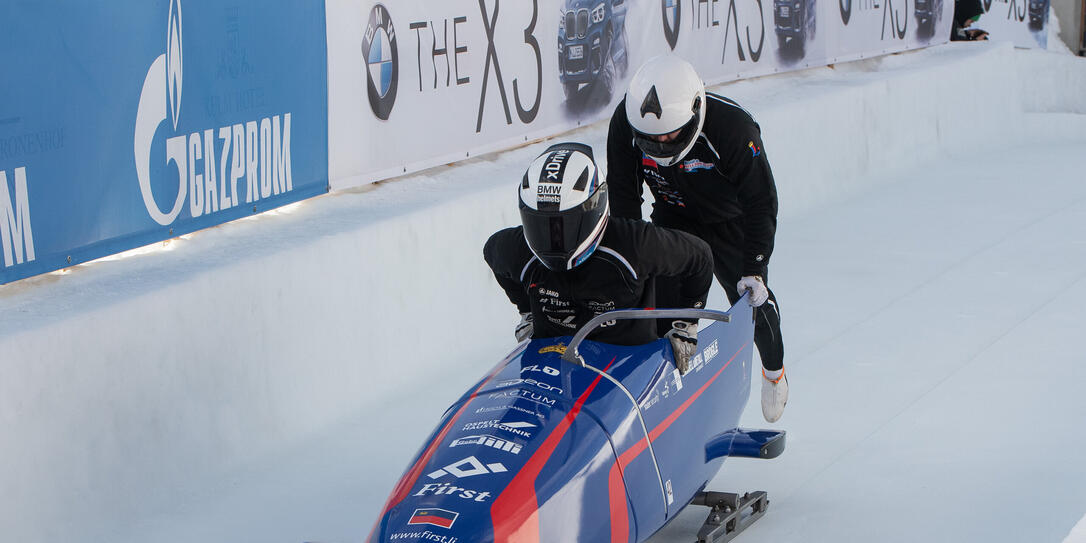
point(530, 382)
point(694, 165)
point(425, 536)
point(525, 394)
point(468, 467)
point(497, 408)
point(710, 351)
point(489, 441)
point(516, 428)
point(434, 517)
point(450, 490)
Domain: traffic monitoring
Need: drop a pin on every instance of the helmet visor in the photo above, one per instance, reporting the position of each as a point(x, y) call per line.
point(557, 237)
point(660, 146)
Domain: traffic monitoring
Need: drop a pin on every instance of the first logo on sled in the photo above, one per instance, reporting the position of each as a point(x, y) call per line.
point(382, 61)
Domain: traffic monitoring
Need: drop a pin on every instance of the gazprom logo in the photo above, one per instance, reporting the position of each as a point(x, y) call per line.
point(209, 163)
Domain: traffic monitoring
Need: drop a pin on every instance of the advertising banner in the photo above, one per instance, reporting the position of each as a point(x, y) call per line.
point(417, 83)
point(1024, 22)
point(124, 123)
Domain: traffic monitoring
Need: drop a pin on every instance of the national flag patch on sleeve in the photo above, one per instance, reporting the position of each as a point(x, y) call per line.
point(754, 150)
point(434, 516)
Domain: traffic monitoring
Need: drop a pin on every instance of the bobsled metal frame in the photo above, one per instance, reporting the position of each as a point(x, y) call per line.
point(727, 519)
point(574, 356)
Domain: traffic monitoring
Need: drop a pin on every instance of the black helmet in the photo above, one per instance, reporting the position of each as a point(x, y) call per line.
point(563, 206)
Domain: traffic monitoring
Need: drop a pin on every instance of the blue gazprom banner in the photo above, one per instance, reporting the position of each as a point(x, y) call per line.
point(132, 121)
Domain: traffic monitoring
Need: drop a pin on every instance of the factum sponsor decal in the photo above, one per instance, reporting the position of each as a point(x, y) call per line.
point(468, 467)
point(257, 151)
point(526, 394)
point(16, 235)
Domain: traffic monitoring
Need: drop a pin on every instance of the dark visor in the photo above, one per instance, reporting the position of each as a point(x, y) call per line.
point(651, 147)
point(554, 236)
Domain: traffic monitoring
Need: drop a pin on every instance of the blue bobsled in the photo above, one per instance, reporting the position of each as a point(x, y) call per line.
point(569, 440)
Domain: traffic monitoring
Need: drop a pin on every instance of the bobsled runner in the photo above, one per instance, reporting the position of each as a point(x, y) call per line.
point(568, 440)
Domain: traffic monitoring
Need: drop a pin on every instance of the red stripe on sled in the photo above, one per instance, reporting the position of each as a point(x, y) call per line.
point(616, 491)
point(516, 511)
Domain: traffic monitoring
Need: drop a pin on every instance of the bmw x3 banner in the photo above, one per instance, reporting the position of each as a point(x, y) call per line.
point(131, 121)
point(417, 83)
point(1024, 22)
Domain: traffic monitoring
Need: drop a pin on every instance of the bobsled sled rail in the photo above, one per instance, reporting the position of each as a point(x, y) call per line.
point(572, 354)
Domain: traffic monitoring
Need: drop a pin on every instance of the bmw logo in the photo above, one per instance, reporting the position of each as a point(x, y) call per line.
point(382, 66)
point(174, 62)
point(672, 14)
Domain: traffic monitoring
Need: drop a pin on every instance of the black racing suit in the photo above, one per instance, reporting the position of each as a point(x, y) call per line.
point(722, 191)
point(620, 274)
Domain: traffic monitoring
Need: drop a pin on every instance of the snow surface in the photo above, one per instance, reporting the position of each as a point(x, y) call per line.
point(269, 380)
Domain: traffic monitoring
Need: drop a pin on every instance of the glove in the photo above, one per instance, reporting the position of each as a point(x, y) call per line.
point(976, 34)
point(758, 293)
point(684, 343)
point(523, 330)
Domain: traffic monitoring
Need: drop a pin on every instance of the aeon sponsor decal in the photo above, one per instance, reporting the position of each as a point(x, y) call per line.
point(257, 151)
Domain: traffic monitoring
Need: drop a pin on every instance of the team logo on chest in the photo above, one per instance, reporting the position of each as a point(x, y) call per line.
point(694, 165)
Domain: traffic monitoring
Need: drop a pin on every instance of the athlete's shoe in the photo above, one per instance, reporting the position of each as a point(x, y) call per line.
point(774, 396)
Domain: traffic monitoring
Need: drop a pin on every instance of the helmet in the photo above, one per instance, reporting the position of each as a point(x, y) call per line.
point(666, 95)
point(563, 206)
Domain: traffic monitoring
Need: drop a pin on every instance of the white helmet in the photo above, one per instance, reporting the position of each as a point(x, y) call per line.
point(563, 206)
point(666, 95)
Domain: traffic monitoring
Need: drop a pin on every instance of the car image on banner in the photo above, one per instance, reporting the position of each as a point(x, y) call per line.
point(794, 23)
point(1038, 12)
point(593, 51)
point(927, 13)
point(1022, 22)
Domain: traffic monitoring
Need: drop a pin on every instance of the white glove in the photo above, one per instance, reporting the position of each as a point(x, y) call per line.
point(523, 330)
point(684, 343)
point(758, 293)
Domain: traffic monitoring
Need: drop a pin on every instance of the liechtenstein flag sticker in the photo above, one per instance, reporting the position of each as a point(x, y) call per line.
point(434, 516)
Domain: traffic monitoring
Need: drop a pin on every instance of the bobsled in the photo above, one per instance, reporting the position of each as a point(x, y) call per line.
point(568, 440)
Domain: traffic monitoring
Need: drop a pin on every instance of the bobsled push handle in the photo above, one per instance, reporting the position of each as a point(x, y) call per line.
point(572, 354)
